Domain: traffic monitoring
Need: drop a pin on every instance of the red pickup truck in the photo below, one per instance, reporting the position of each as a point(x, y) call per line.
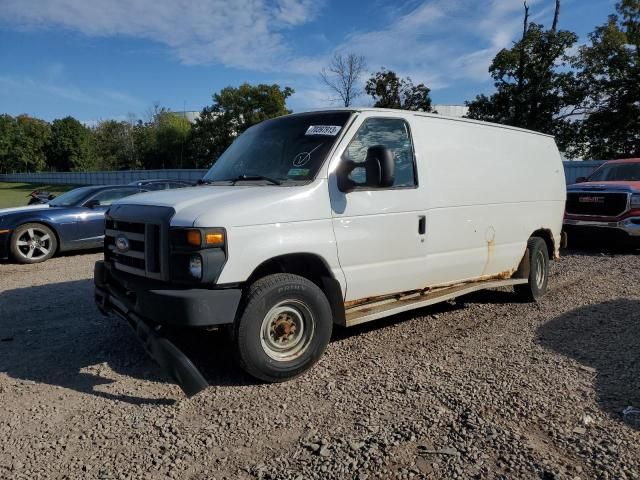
point(606, 202)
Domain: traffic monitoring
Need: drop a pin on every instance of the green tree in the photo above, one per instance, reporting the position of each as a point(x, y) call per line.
point(390, 91)
point(30, 143)
point(161, 142)
point(172, 132)
point(232, 112)
point(71, 147)
point(115, 146)
point(610, 77)
point(534, 87)
point(7, 138)
point(145, 142)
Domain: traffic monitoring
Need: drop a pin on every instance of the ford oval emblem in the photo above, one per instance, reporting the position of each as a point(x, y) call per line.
point(122, 243)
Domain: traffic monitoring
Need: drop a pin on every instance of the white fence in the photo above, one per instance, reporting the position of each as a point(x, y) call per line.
point(572, 170)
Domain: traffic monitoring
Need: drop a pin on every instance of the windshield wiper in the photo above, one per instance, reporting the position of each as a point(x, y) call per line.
point(252, 178)
point(241, 178)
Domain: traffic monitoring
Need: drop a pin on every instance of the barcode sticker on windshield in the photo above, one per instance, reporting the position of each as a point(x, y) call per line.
point(331, 130)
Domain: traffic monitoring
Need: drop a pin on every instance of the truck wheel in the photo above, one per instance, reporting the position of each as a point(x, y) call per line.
point(33, 243)
point(538, 282)
point(284, 328)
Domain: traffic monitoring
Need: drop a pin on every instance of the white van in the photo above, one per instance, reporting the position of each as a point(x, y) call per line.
point(332, 217)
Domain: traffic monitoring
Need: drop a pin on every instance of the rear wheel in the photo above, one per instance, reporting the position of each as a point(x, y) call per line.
point(284, 328)
point(33, 243)
point(538, 281)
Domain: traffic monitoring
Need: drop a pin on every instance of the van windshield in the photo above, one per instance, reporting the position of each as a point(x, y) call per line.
point(283, 150)
point(617, 172)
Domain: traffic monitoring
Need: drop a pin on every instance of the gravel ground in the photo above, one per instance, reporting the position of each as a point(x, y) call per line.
point(479, 388)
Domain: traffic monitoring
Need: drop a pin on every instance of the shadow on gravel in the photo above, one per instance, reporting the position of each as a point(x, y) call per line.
point(53, 334)
point(604, 337)
point(493, 297)
point(72, 253)
point(594, 248)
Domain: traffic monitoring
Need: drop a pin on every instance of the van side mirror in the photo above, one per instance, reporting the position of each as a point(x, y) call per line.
point(92, 203)
point(581, 179)
point(379, 170)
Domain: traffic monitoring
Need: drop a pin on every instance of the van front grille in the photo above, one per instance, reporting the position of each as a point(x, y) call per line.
point(134, 247)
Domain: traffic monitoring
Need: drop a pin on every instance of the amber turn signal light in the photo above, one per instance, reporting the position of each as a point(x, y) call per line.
point(194, 238)
point(215, 238)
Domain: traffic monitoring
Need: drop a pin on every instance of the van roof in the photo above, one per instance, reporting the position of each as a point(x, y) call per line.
point(421, 114)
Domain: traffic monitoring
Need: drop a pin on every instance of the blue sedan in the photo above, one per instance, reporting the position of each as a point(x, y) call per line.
point(72, 221)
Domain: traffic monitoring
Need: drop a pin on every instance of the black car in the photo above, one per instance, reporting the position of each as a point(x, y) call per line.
point(161, 184)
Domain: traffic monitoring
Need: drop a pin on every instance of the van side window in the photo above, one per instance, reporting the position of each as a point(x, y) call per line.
point(393, 133)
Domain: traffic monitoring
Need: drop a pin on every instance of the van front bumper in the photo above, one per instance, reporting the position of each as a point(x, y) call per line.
point(149, 311)
point(190, 307)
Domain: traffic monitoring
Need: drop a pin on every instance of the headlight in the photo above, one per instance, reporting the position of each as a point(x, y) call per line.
point(635, 200)
point(196, 255)
point(195, 266)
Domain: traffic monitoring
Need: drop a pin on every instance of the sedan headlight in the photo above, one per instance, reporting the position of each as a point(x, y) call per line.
point(635, 200)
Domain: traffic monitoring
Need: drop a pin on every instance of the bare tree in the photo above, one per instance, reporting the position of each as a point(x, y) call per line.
point(342, 76)
point(556, 15)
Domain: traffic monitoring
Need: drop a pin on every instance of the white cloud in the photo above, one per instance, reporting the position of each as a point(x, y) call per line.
point(438, 42)
point(239, 33)
point(15, 85)
point(441, 41)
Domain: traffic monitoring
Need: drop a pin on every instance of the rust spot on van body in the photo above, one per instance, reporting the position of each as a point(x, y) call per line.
point(490, 245)
point(362, 301)
point(429, 290)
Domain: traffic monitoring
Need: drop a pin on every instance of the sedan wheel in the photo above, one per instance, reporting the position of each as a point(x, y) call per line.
point(33, 243)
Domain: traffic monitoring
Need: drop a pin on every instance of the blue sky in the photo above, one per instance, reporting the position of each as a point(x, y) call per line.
point(113, 58)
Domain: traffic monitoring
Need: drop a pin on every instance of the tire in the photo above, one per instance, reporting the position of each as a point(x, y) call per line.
point(33, 243)
point(284, 328)
point(538, 282)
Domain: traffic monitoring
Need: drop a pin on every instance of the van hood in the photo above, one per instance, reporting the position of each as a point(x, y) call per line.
point(239, 205)
point(626, 186)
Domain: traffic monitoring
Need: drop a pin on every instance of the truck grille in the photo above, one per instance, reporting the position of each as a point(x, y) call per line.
point(606, 204)
point(134, 247)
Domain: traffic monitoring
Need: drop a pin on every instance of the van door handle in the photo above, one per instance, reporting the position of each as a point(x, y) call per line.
point(422, 225)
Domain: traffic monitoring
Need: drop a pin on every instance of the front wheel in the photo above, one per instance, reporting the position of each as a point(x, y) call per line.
point(538, 282)
point(284, 328)
point(33, 243)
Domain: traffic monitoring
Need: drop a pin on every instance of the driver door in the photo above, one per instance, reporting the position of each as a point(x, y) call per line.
point(380, 231)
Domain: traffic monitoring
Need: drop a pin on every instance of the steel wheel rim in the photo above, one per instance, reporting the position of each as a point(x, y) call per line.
point(33, 244)
point(540, 271)
point(287, 330)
